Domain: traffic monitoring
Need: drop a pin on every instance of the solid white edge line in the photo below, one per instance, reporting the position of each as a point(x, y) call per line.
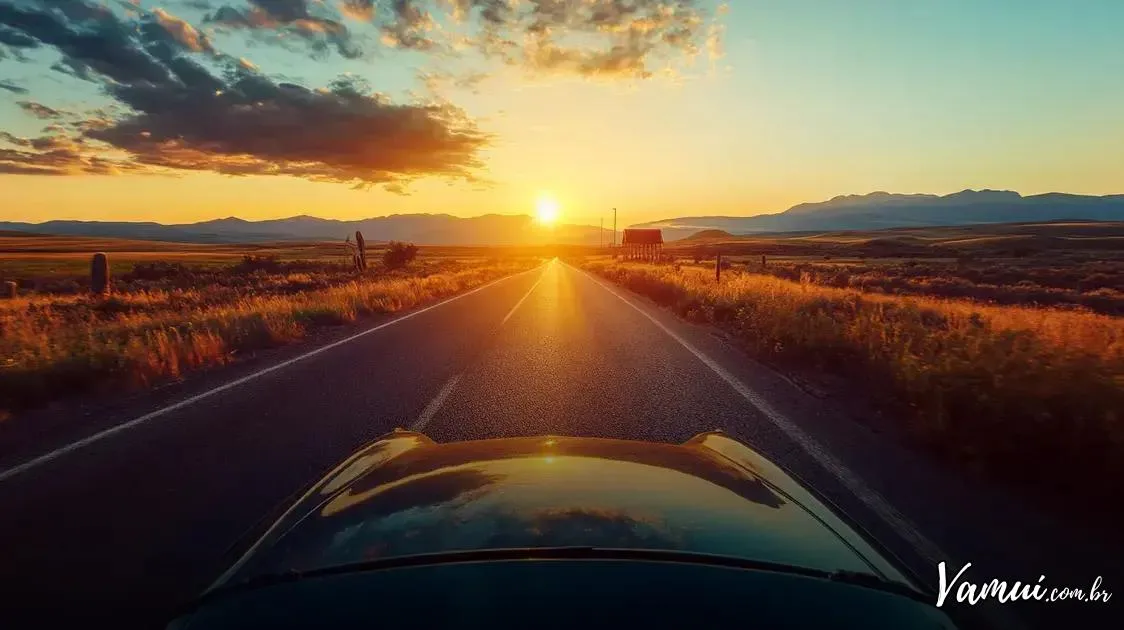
point(435, 405)
point(97, 437)
point(882, 508)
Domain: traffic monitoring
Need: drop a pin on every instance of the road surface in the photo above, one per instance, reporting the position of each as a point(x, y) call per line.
point(129, 524)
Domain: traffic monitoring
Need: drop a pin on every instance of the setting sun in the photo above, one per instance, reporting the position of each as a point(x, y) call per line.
point(547, 210)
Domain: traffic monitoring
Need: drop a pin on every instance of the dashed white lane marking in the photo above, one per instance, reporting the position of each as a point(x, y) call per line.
point(888, 513)
point(527, 295)
point(97, 437)
point(435, 405)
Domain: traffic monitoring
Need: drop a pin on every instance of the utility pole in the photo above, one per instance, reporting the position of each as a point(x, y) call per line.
point(614, 227)
point(601, 235)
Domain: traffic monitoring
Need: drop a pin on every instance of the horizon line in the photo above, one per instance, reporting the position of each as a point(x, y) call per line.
point(531, 218)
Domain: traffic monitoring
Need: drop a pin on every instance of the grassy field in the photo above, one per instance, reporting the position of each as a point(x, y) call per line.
point(1001, 240)
point(1071, 265)
point(45, 263)
point(1034, 395)
point(175, 310)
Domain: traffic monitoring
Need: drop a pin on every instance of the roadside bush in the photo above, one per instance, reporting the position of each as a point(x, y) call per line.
point(252, 263)
point(398, 255)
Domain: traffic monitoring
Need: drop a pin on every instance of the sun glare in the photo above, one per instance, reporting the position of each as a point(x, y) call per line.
point(546, 210)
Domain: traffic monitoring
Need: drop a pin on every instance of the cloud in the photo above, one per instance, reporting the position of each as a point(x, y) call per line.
point(255, 126)
point(184, 33)
point(179, 115)
point(410, 27)
point(184, 105)
point(436, 82)
point(13, 43)
point(56, 155)
point(107, 49)
point(39, 110)
point(593, 38)
point(289, 16)
point(12, 87)
point(358, 10)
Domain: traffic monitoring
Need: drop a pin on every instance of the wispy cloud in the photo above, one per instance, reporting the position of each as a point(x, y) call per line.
point(597, 38)
point(39, 110)
point(12, 87)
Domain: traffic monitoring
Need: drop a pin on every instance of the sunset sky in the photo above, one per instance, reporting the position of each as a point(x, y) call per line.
point(186, 110)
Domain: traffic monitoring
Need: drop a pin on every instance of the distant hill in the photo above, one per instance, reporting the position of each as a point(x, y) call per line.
point(706, 235)
point(1101, 239)
point(875, 211)
point(426, 229)
point(880, 210)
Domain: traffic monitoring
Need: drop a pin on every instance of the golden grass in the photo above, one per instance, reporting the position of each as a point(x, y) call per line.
point(54, 346)
point(1017, 390)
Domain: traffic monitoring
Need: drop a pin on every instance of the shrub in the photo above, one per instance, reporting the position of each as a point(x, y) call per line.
point(398, 255)
point(252, 263)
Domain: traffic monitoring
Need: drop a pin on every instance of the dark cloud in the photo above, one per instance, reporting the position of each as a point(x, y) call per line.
point(409, 27)
point(74, 10)
point(39, 110)
point(252, 125)
point(13, 41)
point(181, 115)
point(106, 46)
point(12, 87)
point(289, 16)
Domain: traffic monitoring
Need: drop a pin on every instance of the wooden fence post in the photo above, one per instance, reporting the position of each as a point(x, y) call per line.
point(99, 274)
point(718, 268)
point(362, 255)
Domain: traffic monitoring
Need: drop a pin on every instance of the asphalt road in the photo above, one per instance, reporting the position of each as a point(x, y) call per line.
point(129, 525)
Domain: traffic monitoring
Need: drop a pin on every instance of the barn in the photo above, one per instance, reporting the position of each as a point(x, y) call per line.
point(642, 244)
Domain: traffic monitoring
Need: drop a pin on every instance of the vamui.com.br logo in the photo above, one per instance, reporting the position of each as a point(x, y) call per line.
point(966, 591)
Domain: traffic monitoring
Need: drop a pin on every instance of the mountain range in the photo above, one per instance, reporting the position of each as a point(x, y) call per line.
point(846, 212)
point(880, 210)
point(426, 229)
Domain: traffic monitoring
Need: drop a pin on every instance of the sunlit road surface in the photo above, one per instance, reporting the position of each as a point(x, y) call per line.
point(130, 525)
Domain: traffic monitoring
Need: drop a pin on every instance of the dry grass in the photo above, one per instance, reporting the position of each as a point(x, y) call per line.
point(38, 262)
point(1092, 283)
point(1019, 391)
point(53, 346)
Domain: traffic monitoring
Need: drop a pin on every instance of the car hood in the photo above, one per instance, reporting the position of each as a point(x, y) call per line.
point(405, 495)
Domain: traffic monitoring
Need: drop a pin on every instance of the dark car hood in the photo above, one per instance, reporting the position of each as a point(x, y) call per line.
point(406, 495)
